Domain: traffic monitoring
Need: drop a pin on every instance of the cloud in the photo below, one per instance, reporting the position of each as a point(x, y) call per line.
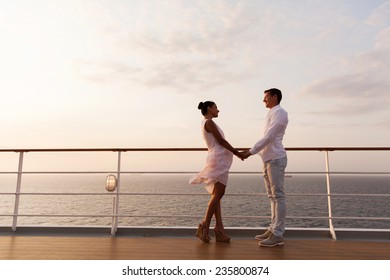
point(380, 16)
point(357, 85)
point(104, 71)
point(352, 94)
point(383, 39)
point(188, 47)
point(362, 87)
point(184, 46)
point(182, 76)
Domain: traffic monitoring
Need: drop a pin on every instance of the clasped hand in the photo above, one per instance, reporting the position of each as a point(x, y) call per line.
point(243, 154)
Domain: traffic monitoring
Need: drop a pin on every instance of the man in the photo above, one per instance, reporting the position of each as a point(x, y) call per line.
point(274, 157)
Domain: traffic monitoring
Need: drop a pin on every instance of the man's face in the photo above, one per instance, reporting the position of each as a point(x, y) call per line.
point(270, 100)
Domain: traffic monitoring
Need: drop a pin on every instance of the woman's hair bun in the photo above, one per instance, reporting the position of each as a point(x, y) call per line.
point(200, 106)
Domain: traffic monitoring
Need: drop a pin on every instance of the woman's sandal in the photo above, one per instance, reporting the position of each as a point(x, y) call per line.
point(219, 237)
point(201, 234)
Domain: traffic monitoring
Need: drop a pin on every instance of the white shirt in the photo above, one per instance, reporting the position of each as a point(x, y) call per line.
point(270, 146)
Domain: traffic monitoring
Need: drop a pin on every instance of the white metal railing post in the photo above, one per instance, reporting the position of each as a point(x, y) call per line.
point(17, 192)
point(331, 228)
point(114, 225)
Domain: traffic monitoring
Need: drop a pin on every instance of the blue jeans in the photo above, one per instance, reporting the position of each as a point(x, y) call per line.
point(273, 172)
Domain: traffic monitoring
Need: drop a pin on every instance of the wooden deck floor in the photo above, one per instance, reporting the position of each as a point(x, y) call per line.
point(183, 248)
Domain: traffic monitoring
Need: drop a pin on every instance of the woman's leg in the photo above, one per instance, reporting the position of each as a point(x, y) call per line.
point(218, 218)
point(219, 229)
point(214, 207)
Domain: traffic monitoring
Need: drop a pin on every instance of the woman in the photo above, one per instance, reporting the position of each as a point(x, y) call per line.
point(216, 172)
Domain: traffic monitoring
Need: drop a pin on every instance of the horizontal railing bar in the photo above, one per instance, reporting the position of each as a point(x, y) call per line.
point(197, 194)
point(192, 216)
point(194, 172)
point(189, 149)
point(125, 216)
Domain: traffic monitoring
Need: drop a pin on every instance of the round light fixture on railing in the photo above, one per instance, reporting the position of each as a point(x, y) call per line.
point(110, 183)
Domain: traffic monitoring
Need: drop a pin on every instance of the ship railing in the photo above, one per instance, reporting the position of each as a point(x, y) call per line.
point(115, 215)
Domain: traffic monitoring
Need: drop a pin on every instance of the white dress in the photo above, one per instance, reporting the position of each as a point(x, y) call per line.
point(218, 162)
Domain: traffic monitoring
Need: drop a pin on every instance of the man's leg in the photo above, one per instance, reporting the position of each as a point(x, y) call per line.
point(274, 180)
point(267, 182)
point(276, 174)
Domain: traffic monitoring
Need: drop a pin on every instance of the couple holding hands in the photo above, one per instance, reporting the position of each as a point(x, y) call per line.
point(220, 158)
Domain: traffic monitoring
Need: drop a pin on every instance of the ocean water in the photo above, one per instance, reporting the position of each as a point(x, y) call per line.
point(150, 199)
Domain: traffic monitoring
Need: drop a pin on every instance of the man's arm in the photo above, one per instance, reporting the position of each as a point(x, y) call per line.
point(277, 124)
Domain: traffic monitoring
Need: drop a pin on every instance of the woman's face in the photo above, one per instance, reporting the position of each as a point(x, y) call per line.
point(213, 111)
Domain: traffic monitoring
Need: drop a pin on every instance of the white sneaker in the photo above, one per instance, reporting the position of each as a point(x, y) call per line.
point(272, 241)
point(263, 236)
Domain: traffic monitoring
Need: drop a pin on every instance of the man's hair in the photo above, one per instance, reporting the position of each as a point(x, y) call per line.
point(275, 91)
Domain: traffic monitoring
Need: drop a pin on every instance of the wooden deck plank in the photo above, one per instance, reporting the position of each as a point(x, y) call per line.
point(183, 248)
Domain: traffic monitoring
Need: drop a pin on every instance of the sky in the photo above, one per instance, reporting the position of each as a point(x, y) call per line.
point(129, 74)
